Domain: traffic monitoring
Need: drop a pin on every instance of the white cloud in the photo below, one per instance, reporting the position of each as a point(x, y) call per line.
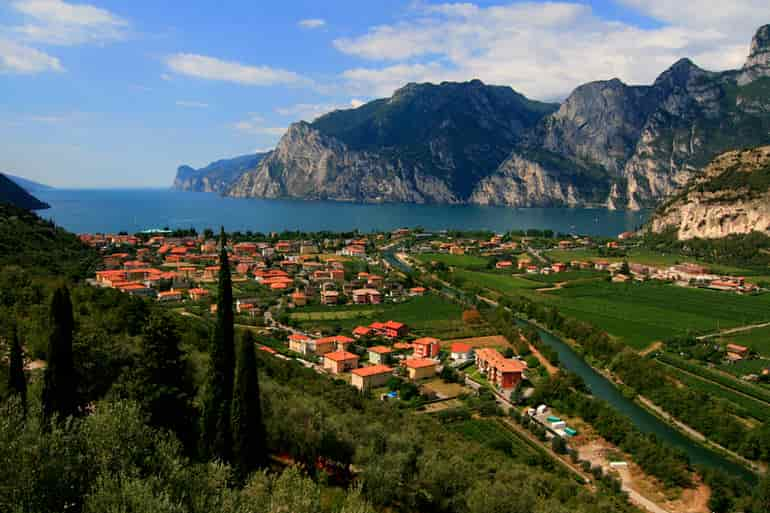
point(211, 68)
point(60, 23)
point(192, 104)
point(311, 111)
point(21, 59)
point(546, 49)
point(255, 125)
point(312, 23)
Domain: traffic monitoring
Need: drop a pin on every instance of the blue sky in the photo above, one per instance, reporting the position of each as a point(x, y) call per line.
point(118, 94)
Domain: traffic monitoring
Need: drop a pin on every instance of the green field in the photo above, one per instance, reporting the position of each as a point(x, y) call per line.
point(744, 367)
point(568, 276)
point(425, 315)
point(740, 404)
point(492, 434)
point(757, 339)
point(501, 282)
point(641, 313)
point(461, 261)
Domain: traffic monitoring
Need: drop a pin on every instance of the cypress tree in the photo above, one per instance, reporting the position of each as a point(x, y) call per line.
point(17, 382)
point(249, 450)
point(59, 386)
point(217, 435)
point(159, 382)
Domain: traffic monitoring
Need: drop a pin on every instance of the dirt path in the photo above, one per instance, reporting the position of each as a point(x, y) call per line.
point(555, 286)
point(734, 330)
point(542, 359)
point(651, 348)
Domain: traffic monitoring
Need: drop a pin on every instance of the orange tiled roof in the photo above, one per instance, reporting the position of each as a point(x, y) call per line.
point(419, 363)
point(372, 370)
point(340, 356)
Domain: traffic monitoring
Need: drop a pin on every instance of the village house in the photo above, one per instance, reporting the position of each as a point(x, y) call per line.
point(339, 362)
point(329, 297)
point(362, 331)
point(197, 294)
point(420, 368)
point(367, 296)
point(417, 291)
point(299, 299)
point(461, 352)
point(505, 373)
point(366, 378)
point(379, 354)
point(298, 343)
point(736, 352)
point(426, 347)
point(169, 296)
point(504, 264)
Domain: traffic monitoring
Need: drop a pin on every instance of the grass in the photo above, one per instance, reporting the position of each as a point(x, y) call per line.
point(568, 276)
point(425, 315)
point(641, 313)
point(744, 367)
point(503, 283)
point(460, 261)
point(757, 339)
point(742, 405)
point(491, 434)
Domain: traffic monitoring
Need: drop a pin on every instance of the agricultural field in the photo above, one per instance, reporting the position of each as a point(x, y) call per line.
point(496, 341)
point(503, 283)
point(460, 261)
point(568, 276)
point(744, 367)
point(757, 339)
point(641, 313)
point(425, 315)
point(742, 405)
point(492, 434)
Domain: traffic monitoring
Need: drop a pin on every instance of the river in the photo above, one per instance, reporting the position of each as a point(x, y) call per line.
point(645, 421)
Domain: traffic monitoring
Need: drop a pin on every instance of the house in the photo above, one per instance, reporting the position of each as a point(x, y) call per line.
point(456, 250)
point(299, 299)
point(393, 329)
point(420, 368)
point(559, 267)
point(197, 294)
point(426, 347)
point(321, 346)
point(461, 352)
point(417, 291)
point(503, 372)
point(339, 362)
point(621, 278)
point(298, 343)
point(366, 378)
point(523, 263)
point(504, 264)
point(329, 297)
point(170, 296)
point(736, 352)
point(342, 342)
point(367, 296)
point(362, 331)
point(379, 354)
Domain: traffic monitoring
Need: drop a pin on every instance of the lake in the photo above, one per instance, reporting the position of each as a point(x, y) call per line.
point(132, 210)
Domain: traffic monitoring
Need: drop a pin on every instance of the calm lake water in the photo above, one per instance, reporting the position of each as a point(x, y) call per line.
point(84, 211)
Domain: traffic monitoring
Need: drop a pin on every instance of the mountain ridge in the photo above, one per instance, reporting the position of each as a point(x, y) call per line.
point(609, 143)
point(12, 193)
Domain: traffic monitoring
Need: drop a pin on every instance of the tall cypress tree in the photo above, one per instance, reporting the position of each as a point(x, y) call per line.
point(17, 382)
point(59, 386)
point(249, 448)
point(217, 435)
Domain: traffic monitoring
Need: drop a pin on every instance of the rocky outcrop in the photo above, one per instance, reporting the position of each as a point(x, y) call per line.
point(731, 198)
point(217, 176)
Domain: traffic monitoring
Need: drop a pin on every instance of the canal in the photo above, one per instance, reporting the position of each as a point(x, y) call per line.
point(645, 421)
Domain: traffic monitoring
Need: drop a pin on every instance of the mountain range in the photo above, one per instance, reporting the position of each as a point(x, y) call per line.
point(608, 144)
point(12, 193)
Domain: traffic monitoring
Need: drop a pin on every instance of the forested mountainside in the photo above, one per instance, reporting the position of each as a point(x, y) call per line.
point(12, 193)
point(731, 197)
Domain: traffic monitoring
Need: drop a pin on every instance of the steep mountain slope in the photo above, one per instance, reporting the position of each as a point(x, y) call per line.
point(732, 197)
point(609, 144)
point(29, 185)
point(646, 141)
point(427, 143)
point(217, 176)
point(12, 194)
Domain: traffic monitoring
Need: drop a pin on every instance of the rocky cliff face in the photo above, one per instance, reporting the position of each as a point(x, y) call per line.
point(427, 143)
point(731, 197)
point(217, 176)
point(608, 144)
